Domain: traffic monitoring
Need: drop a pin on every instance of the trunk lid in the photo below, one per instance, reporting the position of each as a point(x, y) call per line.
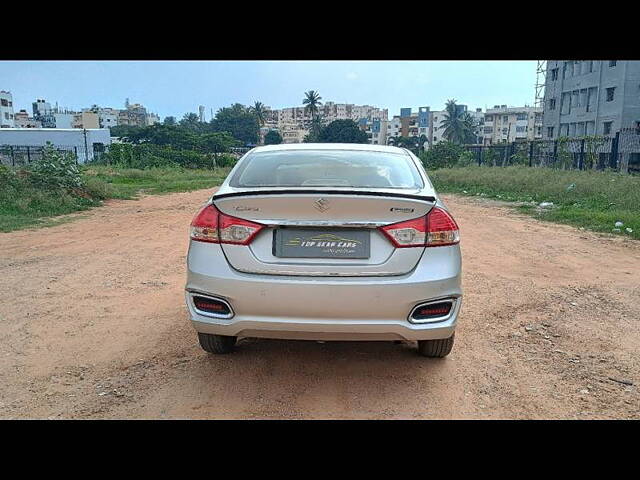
point(320, 215)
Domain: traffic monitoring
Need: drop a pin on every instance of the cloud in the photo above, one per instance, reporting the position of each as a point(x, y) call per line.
point(352, 76)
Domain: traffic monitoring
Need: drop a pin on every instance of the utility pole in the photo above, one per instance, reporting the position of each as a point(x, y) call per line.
point(86, 151)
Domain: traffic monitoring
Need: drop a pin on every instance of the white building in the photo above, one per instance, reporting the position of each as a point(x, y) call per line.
point(70, 139)
point(509, 124)
point(6, 110)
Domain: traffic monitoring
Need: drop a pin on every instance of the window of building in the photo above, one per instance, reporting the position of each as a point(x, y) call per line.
point(587, 66)
point(591, 98)
point(606, 128)
point(488, 129)
point(552, 104)
point(505, 118)
point(522, 116)
point(554, 74)
point(549, 132)
point(521, 129)
point(613, 63)
point(488, 118)
point(610, 93)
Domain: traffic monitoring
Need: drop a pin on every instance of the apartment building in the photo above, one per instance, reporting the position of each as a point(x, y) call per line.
point(23, 120)
point(410, 124)
point(85, 119)
point(504, 124)
point(6, 110)
point(375, 128)
point(587, 97)
point(294, 123)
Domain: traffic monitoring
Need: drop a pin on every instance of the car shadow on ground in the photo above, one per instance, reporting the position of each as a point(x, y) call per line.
point(297, 378)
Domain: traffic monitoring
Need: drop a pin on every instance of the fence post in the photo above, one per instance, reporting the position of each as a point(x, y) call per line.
point(75, 152)
point(480, 155)
point(28, 155)
point(581, 157)
point(531, 152)
point(555, 152)
point(613, 156)
point(13, 158)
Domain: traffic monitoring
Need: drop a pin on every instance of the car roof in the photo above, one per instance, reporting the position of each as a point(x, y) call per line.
point(330, 146)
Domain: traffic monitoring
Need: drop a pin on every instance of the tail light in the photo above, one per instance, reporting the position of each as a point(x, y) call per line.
point(211, 225)
point(437, 228)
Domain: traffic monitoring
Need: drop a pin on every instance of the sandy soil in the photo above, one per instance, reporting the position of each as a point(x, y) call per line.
point(92, 325)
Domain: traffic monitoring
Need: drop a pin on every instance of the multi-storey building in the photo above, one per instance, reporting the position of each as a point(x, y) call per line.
point(85, 119)
point(294, 123)
point(410, 124)
point(504, 124)
point(23, 120)
point(438, 118)
point(6, 110)
point(587, 97)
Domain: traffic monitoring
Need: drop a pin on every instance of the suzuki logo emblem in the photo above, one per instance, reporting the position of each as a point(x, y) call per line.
point(321, 204)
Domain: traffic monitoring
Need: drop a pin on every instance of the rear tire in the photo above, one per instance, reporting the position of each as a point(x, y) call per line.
point(217, 343)
point(436, 348)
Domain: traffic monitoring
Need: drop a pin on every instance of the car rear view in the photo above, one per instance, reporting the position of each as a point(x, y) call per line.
point(325, 242)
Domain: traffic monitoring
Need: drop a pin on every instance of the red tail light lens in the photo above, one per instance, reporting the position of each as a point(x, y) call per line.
point(437, 228)
point(442, 228)
point(211, 225)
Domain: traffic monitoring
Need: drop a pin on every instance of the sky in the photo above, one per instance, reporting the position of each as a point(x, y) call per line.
point(177, 87)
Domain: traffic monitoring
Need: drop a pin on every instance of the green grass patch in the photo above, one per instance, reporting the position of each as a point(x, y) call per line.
point(24, 204)
point(589, 199)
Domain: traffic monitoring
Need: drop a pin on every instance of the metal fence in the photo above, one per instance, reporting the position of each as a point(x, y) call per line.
point(21, 155)
point(619, 152)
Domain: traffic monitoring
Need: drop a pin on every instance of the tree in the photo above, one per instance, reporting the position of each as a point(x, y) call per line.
point(342, 131)
point(458, 126)
point(311, 103)
point(403, 142)
point(239, 121)
point(260, 112)
point(124, 132)
point(169, 120)
point(272, 138)
point(217, 142)
point(192, 122)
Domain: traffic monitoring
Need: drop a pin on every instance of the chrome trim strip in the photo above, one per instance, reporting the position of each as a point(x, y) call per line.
point(321, 223)
point(211, 297)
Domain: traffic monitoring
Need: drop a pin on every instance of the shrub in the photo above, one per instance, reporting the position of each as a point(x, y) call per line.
point(55, 170)
point(442, 155)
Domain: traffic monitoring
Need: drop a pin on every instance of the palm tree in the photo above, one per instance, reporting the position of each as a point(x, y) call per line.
point(260, 112)
point(458, 126)
point(312, 102)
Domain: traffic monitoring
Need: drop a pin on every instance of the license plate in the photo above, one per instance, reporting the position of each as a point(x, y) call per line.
point(321, 243)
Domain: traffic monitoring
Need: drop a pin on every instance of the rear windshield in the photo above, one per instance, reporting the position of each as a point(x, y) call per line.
point(327, 168)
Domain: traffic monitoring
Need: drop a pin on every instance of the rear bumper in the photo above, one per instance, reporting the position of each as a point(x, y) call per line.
point(324, 308)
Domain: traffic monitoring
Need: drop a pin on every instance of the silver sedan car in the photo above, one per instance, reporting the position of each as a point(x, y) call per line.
point(325, 242)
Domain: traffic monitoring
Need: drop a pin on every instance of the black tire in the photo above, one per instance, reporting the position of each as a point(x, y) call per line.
point(216, 343)
point(436, 348)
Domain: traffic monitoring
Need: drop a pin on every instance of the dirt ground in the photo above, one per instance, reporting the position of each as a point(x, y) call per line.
point(92, 325)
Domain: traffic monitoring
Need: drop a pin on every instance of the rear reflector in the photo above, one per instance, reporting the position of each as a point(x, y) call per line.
point(211, 306)
point(211, 225)
point(432, 310)
point(437, 228)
